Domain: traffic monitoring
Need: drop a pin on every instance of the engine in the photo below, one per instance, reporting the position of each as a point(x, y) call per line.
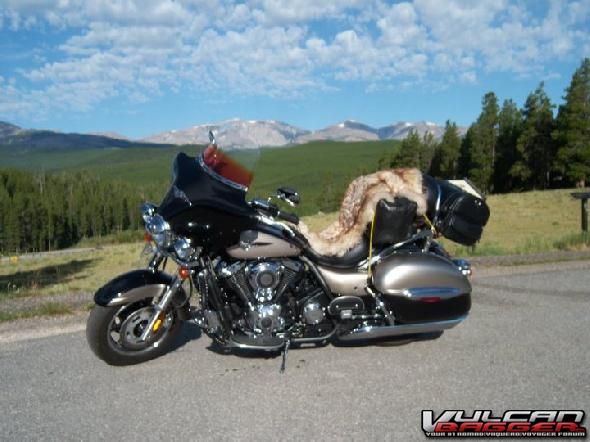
point(268, 294)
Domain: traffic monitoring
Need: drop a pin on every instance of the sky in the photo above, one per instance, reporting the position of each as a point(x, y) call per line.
point(139, 67)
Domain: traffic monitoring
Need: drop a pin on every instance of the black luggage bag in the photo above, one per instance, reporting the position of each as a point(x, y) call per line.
point(458, 215)
point(394, 221)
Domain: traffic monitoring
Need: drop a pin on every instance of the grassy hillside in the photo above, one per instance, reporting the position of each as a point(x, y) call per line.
point(136, 165)
point(311, 168)
point(307, 167)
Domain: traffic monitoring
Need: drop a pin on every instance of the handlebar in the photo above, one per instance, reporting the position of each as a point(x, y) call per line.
point(289, 217)
point(273, 210)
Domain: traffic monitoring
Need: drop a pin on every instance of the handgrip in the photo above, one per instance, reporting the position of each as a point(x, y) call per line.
point(273, 210)
point(289, 217)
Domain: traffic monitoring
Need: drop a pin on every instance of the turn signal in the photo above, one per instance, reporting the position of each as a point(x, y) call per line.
point(184, 273)
point(147, 237)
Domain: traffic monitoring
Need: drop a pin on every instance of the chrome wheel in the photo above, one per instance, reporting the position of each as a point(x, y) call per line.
point(129, 322)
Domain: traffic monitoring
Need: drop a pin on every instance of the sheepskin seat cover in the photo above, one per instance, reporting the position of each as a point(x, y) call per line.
point(358, 208)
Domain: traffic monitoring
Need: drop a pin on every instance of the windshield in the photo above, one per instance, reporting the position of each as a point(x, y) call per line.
point(233, 165)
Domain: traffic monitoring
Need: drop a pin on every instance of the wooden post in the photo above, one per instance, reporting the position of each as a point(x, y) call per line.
point(585, 214)
point(583, 197)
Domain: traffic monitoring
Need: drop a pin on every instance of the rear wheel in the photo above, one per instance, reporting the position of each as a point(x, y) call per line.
point(113, 333)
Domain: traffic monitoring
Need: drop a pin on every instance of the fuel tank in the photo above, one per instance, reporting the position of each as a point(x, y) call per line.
point(419, 287)
point(255, 245)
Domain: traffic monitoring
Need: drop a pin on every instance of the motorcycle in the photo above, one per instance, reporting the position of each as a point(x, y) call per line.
point(260, 284)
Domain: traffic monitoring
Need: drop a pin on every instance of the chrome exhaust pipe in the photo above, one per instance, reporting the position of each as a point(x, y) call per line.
point(387, 331)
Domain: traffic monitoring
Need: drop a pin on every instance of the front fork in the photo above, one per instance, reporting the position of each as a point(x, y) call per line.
point(161, 307)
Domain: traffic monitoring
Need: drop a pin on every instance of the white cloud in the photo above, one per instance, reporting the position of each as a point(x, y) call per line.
point(295, 11)
point(468, 77)
point(137, 49)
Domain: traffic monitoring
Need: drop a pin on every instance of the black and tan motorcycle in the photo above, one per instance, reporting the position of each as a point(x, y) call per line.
point(261, 285)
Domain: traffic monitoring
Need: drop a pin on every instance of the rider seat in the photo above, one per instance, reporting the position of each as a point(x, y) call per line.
point(349, 260)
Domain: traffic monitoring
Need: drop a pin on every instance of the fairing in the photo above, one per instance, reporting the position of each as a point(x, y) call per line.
point(202, 204)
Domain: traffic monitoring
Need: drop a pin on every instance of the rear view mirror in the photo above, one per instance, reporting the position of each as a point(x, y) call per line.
point(289, 195)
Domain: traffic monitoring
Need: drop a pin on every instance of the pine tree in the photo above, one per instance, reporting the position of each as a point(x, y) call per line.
point(445, 163)
point(483, 149)
point(573, 128)
point(509, 129)
point(41, 212)
point(465, 163)
point(427, 149)
point(535, 148)
point(328, 199)
point(409, 152)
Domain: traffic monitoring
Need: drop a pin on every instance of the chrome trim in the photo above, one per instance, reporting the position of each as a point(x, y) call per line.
point(160, 231)
point(313, 313)
point(235, 344)
point(464, 266)
point(372, 332)
point(274, 223)
point(437, 206)
point(426, 292)
point(183, 248)
point(147, 211)
point(218, 177)
point(161, 307)
point(311, 340)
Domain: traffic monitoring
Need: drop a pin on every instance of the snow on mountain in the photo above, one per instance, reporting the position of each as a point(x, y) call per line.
point(345, 131)
point(234, 133)
point(400, 130)
point(238, 133)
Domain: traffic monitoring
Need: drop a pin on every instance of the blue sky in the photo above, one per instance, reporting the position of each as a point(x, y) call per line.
point(140, 67)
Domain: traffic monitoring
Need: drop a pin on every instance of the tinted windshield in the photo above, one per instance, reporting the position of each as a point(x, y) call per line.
point(231, 164)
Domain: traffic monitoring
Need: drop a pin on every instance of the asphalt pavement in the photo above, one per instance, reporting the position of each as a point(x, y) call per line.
point(525, 345)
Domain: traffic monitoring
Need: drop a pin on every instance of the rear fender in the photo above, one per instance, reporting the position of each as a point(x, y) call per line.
point(137, 285)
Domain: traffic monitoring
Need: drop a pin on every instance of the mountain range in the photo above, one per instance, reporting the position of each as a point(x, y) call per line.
point(235, 133)
point(25, 139)
point(238, 133)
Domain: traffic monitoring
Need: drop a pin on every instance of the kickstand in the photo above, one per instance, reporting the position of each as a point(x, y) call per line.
point(285, 351)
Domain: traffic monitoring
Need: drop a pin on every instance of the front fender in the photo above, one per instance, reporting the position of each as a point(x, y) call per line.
point(137, 285)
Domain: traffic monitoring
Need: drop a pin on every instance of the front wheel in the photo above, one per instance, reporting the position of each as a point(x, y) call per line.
point(113, 333)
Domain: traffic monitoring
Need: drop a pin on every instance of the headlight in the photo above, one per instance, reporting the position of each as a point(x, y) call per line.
point(147, 211)
point(160, 231)
point(183, 248)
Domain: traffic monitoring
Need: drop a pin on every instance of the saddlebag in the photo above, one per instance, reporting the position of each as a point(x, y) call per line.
point(457, 215)
point(422, 287)
point(394, 221)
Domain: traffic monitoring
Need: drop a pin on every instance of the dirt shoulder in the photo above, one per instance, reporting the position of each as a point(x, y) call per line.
point(533, 258)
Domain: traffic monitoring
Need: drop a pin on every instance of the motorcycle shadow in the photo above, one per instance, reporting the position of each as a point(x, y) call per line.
point(188, 332)
point(391, 341)
point(382, 342)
